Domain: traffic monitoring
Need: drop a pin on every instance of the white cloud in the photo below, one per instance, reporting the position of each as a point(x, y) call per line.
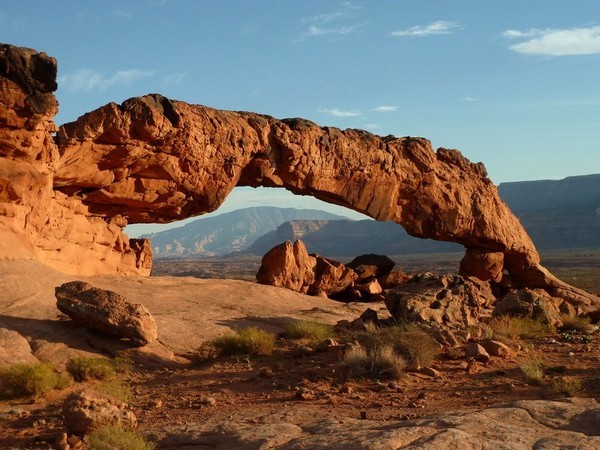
point(314, 30)
point(372, 126)
point(174, 78)
point(434, 28)
point(340, 112)
point(557, 42)
point(328, 24)
point(385, 108)
point(470, 99)
point(91, 80)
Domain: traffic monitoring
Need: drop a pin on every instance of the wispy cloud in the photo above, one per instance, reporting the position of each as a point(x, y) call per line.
point(314, 30)
point(331, 23)
point(557, 42)
point(91, 80)
point(385, 108)
point(123, 14)
point(174, 78)
point(340, 112)
point(470, 99)
point(432, 29)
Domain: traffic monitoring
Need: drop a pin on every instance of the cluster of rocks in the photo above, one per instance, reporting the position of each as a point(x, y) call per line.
point(425, 297)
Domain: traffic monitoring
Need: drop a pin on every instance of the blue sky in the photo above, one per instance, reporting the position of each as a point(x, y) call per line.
point(511, 83)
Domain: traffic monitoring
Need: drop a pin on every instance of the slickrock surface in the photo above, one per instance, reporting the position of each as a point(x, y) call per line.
point(152, 159)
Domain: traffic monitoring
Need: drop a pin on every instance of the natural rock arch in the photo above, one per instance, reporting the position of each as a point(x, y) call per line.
point(154, 160)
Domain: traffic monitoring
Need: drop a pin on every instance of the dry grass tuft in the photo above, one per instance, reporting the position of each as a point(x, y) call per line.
point(576, 323)
point(30, 380)
point(567, 386)
point(90, 368)
point(251, 340)
point(415, 346)
point(308, 329)
point(533, 371)
point(380, 363)
point(511, 328)
point(113, 437)
point(116, 389)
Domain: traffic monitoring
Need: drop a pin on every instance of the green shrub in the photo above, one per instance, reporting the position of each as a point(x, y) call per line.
point(113, 437)
point(417, 348)
point(509, 327)
point(533, 371)
point(308, 329)
point(30, 380)
point(86, 368)
point(380, 363)
point(251, 340)
point(116, 389)
point(568, 386)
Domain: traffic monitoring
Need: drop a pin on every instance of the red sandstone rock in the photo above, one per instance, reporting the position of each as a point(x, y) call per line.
point(534, 303)
point(152, 159)
point(482, 264)
point(331, 276)
point(106, 311)
point(436, 298)
point(288, 265)
point(371, 265)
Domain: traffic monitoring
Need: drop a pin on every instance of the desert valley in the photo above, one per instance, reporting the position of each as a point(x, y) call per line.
point(278, 328)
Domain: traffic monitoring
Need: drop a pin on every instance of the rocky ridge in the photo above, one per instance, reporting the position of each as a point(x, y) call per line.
point(65, 200)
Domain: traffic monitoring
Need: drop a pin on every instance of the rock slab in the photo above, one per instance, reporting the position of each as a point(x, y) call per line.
point(106, 311)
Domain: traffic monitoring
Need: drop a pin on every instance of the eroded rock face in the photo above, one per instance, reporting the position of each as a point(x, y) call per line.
point(441, 299)
point(156, 160)
point(533, 303)
point(84, 411)
point(106, 311)
point(288, 265)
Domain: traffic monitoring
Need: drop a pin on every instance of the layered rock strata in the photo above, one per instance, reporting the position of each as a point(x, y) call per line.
point(156, 160)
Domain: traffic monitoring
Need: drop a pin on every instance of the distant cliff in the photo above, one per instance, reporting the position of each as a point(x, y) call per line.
point(349, 238)
point(557, 214)
point(227, 233)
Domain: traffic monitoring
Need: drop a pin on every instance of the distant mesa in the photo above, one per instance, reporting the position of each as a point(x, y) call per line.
point(65, 198)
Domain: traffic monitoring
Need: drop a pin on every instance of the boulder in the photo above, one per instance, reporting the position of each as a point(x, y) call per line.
point(532, 303)
point(371, 265)
point(331, 276)
point(85, 410)
point(106, 311)
point(393, 279)
point(289, 266)
point(483, 264)
point(14, 349)
point(495, 348)
point(370, 288)
point(442, 299)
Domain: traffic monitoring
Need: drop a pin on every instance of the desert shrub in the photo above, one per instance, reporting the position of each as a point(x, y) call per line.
point(379, 363)
point(533, 370)
point(251, 340)
point(206, 352)
point(90, 368)
point(568, 386)
point(122, 365)
point(113, 437)
point(416, 347)
point(116, 389)
point(308, 329)
point(576, 323)
point(30, 380)
point(509, 327)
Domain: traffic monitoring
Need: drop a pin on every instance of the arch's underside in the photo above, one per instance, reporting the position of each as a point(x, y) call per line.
point(65, 200)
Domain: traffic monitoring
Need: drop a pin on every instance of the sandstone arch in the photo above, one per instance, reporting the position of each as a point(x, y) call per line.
point(152, 159)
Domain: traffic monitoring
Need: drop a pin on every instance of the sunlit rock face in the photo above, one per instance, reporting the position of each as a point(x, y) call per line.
point(155, 160)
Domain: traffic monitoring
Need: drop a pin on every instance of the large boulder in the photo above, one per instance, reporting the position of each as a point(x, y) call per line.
point(106, 311)
point(483, 264)
point(85, 410)
point(442, 299)
point(532, 303)
point(371, 265)
point(289, 266)
point(331, 277)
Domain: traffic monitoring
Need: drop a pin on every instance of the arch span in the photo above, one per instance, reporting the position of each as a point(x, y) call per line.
point(154, 160)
